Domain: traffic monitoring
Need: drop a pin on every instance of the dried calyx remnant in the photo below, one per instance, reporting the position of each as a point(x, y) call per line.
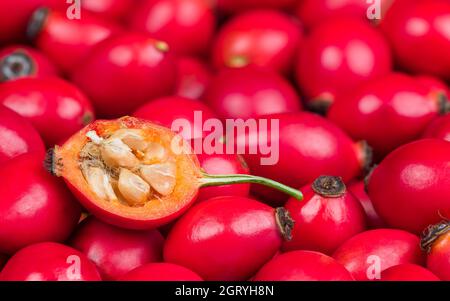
point(126, 167)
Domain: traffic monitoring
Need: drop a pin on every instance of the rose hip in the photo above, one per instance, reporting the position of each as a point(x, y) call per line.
point(22, 61)
point(388, 112)
point(124, 72)
point(186, 25)
point(193, 77)
point(116, 251)
point(324, 149)
point(162, 271)
point(337, 56)
point(180, 109)
point(327, 216)
point(368, 254)
point(314, 12)
point(439, 128)
point(249, 93)
point(49, 29)
point(56, 108)
point(303, 266)
point(436, 242)
point(414, 180)
point(35, 207)
point(408, 272)
point(49, 261)
point(419, 34)
point(243, 41)
point(222, 164)
point(206, 232)
point(17, 136)
point(113, 10)
point(374, 221)
point(14, 17)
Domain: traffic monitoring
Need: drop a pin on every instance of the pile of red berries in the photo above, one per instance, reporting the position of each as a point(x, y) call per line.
point(360, 96)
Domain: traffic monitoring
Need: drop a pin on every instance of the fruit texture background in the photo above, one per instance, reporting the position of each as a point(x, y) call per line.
point(361, 93)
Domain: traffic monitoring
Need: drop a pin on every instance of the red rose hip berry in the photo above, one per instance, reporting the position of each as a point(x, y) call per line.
point(49, 30)
point(116, 251)
point(243, 41)
point(358, 189)
point(207, 232)
point(17, 136)
point(368, 254)
point(387, 112)
point(22, 61)
point(56, 108)
point(414, 180)
point(186, 25)
point(249, 93)
point(49, 261)
point(436, 242)
point(35, 206)
point(408, 272)
point(302, 266)
point(193, 77)
point(328, 216)
point(124, 72)
point(337, 56)
point(420, 35)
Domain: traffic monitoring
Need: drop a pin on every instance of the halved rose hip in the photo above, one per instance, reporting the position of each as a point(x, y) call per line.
point(134, 174)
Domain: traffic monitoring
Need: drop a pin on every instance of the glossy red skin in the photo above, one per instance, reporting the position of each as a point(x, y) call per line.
point(439, 128)
point(186, 25)
point(43, 67)
point(56, 108)
point(410, 187)
point(193, 77)
point(388, 112)
point(329, 151)
point(207, 233)
point(338, 55)
point(14, 17)
point(113, 10)
point(161, 271)
point(420, 36)
point(17, 136)
point(124, 72)
point(116, 251)
point(374, 221)
point(408, 272)
point(49, 261)
point(247, 36)
point(237, 6)
point(390, 246)
point(249, 93)
point(314, 12)
point(435, 85)
point(323, 223)
point(3, 260)
point(35, 206)
point(220, 164)
point(438, 259)
point(84, 34)
point(180, 108)
point(303, 266)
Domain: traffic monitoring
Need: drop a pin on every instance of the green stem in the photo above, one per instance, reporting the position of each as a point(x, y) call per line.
point(217, 180)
